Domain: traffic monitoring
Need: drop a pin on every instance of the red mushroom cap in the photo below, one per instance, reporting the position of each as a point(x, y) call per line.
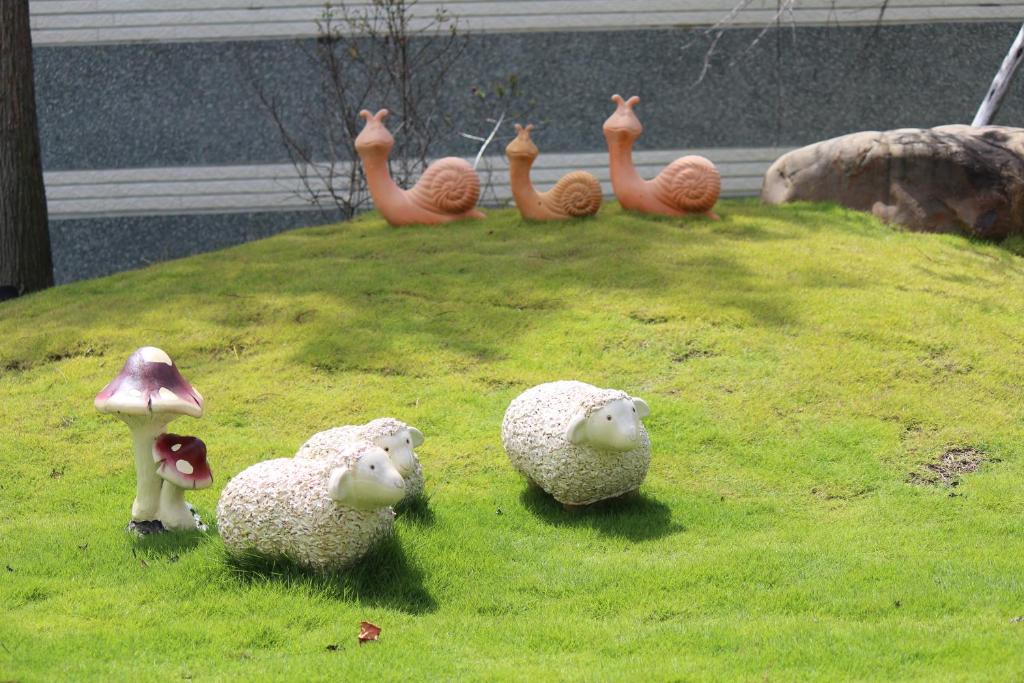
point(182, 461)
point(149, 383)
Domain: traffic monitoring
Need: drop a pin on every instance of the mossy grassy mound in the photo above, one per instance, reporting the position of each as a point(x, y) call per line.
point(804, 366)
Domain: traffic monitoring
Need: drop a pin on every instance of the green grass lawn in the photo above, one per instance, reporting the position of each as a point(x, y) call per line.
point(803, 365)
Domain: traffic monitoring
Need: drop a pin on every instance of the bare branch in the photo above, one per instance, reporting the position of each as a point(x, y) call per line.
point(1001, 83)
point(483, 147)
point(785, 14)
point(366, 56)
point(725, 21)
point(707, 59)
point(783, 7)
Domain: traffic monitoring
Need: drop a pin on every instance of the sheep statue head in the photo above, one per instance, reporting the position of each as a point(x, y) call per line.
point(368, 482)
point(399, 447)
point(612, 426)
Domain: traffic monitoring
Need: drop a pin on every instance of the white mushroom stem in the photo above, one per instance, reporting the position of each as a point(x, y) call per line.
point(147, 485)
point(174, 513)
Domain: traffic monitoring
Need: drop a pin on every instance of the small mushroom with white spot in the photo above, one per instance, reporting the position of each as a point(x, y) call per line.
point(147, 394)
point(181, 463)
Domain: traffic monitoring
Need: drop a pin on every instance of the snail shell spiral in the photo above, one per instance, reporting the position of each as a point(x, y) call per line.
point(449, 185)
point(577, 194)
point(690, 183)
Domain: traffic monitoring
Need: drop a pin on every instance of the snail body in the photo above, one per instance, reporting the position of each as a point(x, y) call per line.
point(447, 191)
point(575, 195)
point(689, 185)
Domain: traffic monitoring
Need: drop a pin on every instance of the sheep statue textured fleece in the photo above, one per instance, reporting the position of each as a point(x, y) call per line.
point(396, 438)
point(323, 515)
point(579, 443)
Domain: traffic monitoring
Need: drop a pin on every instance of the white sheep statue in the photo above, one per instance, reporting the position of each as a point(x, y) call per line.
point(394, 436)
point(322, 515)
point(579, 443)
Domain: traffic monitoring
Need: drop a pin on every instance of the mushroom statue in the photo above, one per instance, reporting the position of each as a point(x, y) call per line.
point(181, 463)
point(147, 394)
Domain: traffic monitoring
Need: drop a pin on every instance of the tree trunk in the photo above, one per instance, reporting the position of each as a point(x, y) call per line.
point(25, 261)
point(1001, 83)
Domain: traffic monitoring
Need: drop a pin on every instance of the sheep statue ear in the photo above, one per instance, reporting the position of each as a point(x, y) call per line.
point(340, 484)
point(642, 409)
point(417, 437)
point(576, 433)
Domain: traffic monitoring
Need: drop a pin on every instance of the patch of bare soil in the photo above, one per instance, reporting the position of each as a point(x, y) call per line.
point(949, 467)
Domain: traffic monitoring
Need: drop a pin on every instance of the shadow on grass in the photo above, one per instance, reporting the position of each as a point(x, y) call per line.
point(466, 292)
point(634, 516)
point(170, 544)
point(369, 294)
point(416, 510)
point(385, 578)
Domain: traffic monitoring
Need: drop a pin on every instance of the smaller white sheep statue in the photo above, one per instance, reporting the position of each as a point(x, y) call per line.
point(321, 515)
point(579, 443)
point(394, 436)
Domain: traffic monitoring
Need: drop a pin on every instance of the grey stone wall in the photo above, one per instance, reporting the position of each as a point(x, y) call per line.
point(189, 104)
point(92, 247)
point(179, 104)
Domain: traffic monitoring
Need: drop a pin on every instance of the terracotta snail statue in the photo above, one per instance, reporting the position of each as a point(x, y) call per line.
point(447, 191)
point(690, 184)
point(576, 194)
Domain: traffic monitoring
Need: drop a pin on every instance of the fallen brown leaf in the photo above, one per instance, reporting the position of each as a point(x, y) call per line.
point(368, 632)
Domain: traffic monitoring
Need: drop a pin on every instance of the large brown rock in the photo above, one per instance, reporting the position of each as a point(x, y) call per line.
point(945, 179)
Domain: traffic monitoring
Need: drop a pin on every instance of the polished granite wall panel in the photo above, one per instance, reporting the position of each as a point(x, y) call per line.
point(193, 104)
point(93, 247)
point(181, 104)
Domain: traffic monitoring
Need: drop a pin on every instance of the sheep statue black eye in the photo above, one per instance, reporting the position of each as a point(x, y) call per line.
point(387, 450)
point(609, 418)
point(372, 467)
